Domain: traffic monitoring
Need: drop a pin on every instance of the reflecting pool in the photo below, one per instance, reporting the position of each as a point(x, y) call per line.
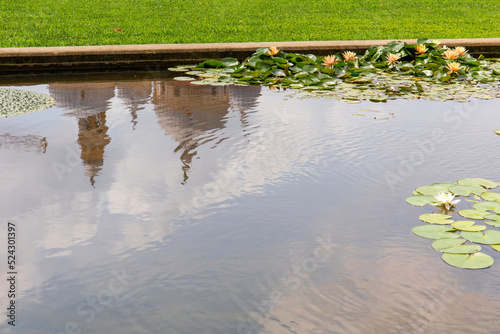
point(149, 205)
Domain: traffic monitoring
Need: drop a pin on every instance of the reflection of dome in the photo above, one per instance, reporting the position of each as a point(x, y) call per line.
point(83, 99)
point(187, 112)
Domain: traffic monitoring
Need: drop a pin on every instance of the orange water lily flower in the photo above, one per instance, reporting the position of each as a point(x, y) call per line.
point(460, 50)
point(453, 67)
point(349, 55)
point(450, 54)
point(420, 49)
point(330, 60)
point(273, 51)
point(392, 59)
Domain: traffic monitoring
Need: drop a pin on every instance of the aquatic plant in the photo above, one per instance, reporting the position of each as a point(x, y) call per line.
point(451, 236)
point(425, 70)
point(15, 102)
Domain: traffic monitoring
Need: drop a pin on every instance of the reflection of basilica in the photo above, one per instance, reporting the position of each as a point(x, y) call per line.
point(186, 112)
point(190, 113)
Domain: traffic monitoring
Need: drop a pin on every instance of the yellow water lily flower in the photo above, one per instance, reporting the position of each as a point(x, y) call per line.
point(453, 67)
point(349, 55)
point(460, 50)
point(445, 200)
point(330, 60)
point(450, 55)
point(435, 41)
point(392, 59)
point(273, 51)
point(420, 49)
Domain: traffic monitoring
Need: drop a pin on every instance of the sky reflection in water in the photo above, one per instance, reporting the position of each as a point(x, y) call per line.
point(163, 207)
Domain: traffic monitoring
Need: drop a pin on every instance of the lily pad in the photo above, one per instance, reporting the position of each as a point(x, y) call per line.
point(473, 261)
point(178, 69)
point(493, 217)
point(420, 200)
point(454, 246)
point(477, 182)
point(436, 218)
point(496, 247)
point(488, 206)
point(490, 237)
point(14, 102)
point(433, 190)
point(467, 225)
point(435, 232)
point(181, 78)
point(489, 196)
point(473, 214)
point(492, 223)
point(463, 190)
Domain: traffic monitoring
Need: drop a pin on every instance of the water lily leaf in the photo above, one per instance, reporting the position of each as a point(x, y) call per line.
point(490, 237)
point(473, 261)
point(435, 232)
point(489, 196)
point(493, 217)
point(184, 78)
point(178, 69)
point(433, 190)
point(420, 200)
point(492, 223)
point(496, 247)
point(477, 182)
point(473, 214)
point(194, 72)
point(487, 206)
point(200, 82)
point(228, 61)
point(436, 218)
point(211, 63)
point(454, 246)
point(466, 190)
point(467, 225)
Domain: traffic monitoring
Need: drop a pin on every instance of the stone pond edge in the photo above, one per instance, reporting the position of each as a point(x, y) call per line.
point(158, 56)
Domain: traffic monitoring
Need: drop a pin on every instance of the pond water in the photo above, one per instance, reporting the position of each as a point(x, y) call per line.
point(148, 205)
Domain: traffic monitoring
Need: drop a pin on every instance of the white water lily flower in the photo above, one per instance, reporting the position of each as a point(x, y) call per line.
point(445, 200)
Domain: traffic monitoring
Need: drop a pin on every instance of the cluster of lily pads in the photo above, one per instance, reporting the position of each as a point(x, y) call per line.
point(460, 241)
point(15, 102)
point(425, 70)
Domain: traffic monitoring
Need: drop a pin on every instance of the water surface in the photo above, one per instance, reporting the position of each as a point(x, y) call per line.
point(147, 205)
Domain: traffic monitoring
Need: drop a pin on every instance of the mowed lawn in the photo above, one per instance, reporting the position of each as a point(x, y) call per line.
point(97, 22)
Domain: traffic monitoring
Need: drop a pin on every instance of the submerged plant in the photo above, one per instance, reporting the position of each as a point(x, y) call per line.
point(451, 236)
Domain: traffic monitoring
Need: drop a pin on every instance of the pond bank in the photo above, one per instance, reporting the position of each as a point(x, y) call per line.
point(159, 56)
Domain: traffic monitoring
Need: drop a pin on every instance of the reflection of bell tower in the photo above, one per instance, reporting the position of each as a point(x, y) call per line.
point(93, 138)
point(87, 102)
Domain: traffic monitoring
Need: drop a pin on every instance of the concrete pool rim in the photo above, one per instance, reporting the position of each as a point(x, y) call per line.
point(160, 56)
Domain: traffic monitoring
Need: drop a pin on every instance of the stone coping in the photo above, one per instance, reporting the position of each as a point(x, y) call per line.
point(160, 56)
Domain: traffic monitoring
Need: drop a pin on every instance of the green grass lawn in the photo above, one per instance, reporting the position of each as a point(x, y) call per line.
point(93, 22)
